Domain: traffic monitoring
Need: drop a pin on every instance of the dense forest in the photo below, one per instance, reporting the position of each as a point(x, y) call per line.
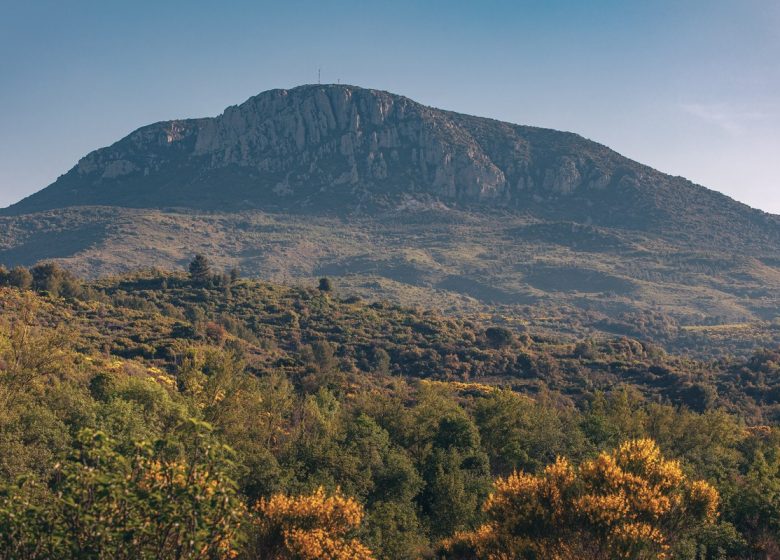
point(203, 415)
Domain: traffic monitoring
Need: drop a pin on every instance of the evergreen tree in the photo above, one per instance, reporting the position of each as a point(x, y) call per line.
point(498, 337)
point(47, 277)
point(325, 285)
point(456, 475)
point(200, 269)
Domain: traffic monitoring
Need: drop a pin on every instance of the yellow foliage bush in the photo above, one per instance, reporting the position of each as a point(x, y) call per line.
point(631, 503)
point(314, 527)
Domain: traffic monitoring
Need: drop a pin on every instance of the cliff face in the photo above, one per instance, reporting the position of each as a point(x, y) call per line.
point(294, 144)
point(328, 147)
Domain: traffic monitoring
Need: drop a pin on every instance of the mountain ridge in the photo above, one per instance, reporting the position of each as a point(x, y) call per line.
point(340, 147)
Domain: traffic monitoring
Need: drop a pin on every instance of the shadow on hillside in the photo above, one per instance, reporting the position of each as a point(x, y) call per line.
point(52, 245)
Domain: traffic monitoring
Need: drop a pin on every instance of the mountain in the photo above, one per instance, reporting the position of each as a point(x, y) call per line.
point(343, 147)
point(414, 203)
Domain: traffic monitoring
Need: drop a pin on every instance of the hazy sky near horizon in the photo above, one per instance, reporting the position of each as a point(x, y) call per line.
point(690, 87)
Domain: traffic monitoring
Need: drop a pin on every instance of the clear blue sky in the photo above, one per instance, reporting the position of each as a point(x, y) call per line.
point(691, 87)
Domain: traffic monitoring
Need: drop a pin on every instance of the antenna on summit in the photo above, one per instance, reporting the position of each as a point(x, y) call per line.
point(319, 74)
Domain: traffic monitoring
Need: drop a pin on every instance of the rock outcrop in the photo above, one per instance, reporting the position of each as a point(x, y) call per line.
point(299, 142)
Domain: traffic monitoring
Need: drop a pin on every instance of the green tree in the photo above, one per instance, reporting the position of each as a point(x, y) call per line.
point(323, 367)
point(381, 361)
point(457, 477)
point(616, 417)
point(253, 413)
point(520, 433)
point(753, 502)
point(200, 269)
point(47, 277)
point(325, 285)
point(20, 277)
point(499, 337)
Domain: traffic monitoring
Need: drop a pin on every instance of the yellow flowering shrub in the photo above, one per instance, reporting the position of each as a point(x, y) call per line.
point(314, 527)
point(631, 503)
point(103, 504)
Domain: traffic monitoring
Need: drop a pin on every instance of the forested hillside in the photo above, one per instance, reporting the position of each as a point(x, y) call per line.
point(203, 415)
